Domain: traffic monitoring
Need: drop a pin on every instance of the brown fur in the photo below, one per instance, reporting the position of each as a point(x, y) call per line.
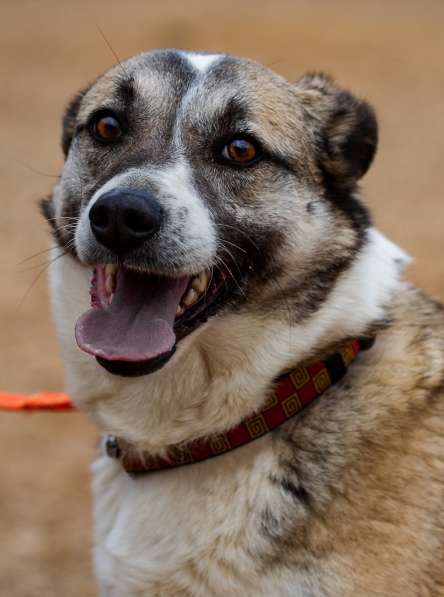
point(344, 500)
point(370, 457)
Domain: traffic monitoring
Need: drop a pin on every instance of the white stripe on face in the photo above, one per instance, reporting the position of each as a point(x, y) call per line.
point(201, 62)
point(188, 236)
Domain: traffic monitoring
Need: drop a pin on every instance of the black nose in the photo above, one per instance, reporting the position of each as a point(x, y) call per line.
point(123, 219)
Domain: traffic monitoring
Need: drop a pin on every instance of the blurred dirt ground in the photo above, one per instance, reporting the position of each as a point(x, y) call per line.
point(390, 52)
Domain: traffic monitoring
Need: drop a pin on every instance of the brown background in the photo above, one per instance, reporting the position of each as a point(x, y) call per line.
point(390, 52)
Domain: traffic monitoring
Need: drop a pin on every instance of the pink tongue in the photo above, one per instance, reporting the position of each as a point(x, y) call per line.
point(138, 325)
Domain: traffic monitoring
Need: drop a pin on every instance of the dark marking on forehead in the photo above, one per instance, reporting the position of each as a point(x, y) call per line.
point(117, 89)
point(225, 70)
point(203, 131)
point(234, 113)
point(172, 64)
point(147, 95)
point(125, 90)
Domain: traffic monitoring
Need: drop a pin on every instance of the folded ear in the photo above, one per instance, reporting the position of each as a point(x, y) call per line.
point(344, 128)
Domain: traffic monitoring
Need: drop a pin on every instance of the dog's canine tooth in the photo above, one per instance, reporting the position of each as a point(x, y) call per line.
point(179, 311)
point(195, 283)
point(110, 269)
point(110, 277)
point(108, 284)
point(200, 282)
point(190, 298)
point(205, 277)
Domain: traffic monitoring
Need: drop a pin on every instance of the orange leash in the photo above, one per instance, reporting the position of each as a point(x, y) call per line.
point(39, 401)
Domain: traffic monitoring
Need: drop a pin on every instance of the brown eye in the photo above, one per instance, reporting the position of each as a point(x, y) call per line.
point(240, 151)
point(107, 128)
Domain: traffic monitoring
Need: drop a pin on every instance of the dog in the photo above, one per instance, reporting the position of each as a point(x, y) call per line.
point(211, 209)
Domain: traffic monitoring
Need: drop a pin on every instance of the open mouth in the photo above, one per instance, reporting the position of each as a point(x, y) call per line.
point(137, 318)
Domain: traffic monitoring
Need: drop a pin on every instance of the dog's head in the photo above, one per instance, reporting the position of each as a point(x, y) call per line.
point(197, 186)
point(201, 184)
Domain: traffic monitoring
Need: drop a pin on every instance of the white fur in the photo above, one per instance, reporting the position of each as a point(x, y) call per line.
point(201, 62)
point(169, 533)
point(196, 244)
point(178, 193)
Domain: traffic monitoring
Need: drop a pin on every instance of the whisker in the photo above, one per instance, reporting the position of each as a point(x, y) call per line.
point(219, 269)
point(114, 53)
point(240, 232)
point(231, 274)
point(65, 248)
point(225, 241)
point(68, 227)
point(63, 218)
point(37, 255)
point(230, 254)
point(209, 283)
point(36, 279)
point(34, 170)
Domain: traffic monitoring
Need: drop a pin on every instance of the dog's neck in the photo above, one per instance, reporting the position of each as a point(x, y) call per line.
point(222, 373)
point(290, 394)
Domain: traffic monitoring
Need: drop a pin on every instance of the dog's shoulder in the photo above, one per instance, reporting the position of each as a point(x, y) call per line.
point(367, 461)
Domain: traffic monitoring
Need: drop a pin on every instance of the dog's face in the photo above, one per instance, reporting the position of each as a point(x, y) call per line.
point(196, 186)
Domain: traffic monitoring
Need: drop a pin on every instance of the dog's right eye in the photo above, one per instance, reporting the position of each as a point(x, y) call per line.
point(106, 127)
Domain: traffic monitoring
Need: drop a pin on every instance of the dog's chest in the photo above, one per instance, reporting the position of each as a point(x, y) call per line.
point(186, 532)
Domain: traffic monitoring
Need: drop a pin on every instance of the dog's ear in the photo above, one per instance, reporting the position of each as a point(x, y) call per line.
point(69, 120)
point(344, 128)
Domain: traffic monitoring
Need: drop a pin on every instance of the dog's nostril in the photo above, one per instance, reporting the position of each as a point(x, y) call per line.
point(99, 216)
point(139, 222)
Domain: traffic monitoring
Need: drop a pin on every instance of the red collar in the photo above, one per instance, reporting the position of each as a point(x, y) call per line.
point(292, 392)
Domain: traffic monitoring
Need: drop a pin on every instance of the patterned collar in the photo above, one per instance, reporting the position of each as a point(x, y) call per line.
point(293, 392)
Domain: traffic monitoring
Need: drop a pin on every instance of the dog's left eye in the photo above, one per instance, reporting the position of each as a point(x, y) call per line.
point(241, 151)
point(106, 127)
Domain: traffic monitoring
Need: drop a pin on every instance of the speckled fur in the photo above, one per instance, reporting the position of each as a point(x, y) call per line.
point(344, 500)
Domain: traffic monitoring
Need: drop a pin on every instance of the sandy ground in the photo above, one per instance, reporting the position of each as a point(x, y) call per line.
point(390, 52)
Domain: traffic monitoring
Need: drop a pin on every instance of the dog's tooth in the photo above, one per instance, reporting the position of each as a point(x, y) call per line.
point(111, 269)
point(205, 276)
point(109, 284)
point(190, 298)
point(197, 285)
point(200, 282)
point(179, 311)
